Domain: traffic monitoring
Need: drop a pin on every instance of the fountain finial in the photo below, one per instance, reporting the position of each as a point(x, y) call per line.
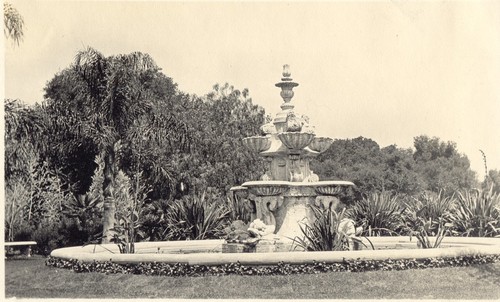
point(286, 86)
point(286, 71)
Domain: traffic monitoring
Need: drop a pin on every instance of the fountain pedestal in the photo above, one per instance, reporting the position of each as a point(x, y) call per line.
point(287, 204)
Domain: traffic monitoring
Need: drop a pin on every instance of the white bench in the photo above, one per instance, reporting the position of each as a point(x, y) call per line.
point(21, 243)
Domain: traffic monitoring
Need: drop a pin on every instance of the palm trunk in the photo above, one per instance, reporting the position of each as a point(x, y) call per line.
point(109, 207)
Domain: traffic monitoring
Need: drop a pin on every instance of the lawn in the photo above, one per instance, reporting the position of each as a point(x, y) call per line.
point(30, 278)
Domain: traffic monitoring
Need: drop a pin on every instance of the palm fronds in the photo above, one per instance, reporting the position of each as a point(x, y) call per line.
point(13, 23)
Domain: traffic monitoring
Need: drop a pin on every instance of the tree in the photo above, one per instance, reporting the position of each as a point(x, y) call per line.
point(434, 165)
point(441, 165)
point(358, 160)
point(400, 173)
point(492, 179)
point(218, 158)
point(24, 129)
point(13, 23)
point(102, 99)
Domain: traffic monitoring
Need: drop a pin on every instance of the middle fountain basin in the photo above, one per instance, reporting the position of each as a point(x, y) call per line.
point(286, 204)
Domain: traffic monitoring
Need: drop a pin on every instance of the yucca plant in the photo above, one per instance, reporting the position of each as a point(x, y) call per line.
point(380, 213)
point(196, 217)
point(323, 234)
point(477, 213)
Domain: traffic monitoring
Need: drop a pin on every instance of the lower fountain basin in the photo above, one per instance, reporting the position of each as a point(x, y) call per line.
point(205, 252)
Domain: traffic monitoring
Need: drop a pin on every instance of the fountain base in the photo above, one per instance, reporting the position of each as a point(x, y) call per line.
point(271, 244)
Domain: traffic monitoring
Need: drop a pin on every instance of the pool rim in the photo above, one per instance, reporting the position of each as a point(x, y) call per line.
point(463, 246)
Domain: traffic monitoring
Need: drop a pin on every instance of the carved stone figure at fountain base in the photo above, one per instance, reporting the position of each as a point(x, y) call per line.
point(258, 237)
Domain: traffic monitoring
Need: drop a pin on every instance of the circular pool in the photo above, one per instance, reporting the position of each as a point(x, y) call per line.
point(209, 252)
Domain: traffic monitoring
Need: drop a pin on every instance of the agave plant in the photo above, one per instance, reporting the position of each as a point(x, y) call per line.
point(477, 213)
point(381, 213)
point(324, 234)
point(435, 205)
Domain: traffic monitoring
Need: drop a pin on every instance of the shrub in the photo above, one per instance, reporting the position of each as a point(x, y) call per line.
point(323, 234)
point(73, 234)
point(430, 205)
point(380, 213)
point(239, 209)
point(477, 213)
point(47, 239)
point(17, 197)
point(83, 215)
point(129, 212)
point(197, 217)
point(428, 215)
point(154, 223)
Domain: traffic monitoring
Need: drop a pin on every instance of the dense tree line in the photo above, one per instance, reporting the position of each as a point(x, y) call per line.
point(432, 165)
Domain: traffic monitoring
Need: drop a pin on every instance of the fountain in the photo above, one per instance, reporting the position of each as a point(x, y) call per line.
point(282, 195)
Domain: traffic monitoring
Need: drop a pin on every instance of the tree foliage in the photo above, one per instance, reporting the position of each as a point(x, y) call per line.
point(442, 166)
point(102, 99)
point(13, 23)
point(218, 123)
point(124, 107)
point(433, 165)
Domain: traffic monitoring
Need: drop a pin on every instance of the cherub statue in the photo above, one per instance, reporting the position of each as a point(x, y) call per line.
point(260, 229)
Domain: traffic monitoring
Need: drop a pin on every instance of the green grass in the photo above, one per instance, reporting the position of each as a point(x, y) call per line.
point(30, 278)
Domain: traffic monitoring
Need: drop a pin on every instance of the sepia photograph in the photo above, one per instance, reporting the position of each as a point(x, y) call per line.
point(251, 150)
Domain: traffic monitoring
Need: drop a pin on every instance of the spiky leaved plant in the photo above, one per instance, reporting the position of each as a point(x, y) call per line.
point(381, 213)
point(428, 215)
point(196, 217)
point(323, 234)
point(477, 213)
point(422, 228)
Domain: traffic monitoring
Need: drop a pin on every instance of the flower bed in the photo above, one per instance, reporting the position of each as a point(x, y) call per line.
point(281, 268)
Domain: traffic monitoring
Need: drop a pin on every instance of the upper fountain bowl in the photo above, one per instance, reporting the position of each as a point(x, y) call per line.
point(257, 143)
point(296, 140)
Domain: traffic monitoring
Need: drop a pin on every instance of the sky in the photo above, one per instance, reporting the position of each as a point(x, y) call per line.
point(385, 70)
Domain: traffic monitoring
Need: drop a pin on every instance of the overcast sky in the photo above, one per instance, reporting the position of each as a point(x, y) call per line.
point(388, 71)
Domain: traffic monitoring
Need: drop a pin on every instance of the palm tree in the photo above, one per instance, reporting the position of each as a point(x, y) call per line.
point(13, 23)
point(118, 101)
point(114, 104)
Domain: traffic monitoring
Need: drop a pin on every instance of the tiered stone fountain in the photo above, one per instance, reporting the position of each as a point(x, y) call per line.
point(282, 195)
